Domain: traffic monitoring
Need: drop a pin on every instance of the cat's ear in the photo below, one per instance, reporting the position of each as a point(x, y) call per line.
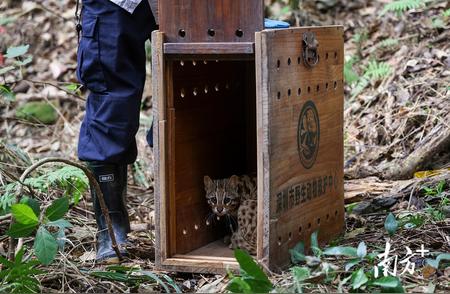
point(233, 182)
point(209, 184)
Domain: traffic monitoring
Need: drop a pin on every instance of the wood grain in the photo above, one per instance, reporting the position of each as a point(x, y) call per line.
point(197, 17)
point(280, 103)
point(159, 147)
point(209, 48)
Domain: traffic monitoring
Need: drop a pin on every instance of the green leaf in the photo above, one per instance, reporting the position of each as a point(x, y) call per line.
point(359, 278)
point(157, 280)
point(13, 52)
point(352, 263)
point(238, 285)
point(172, 283)
point(58, 209)
point(350, 75)
point(341, 250)
point(300, 273)
point(45, 246)
point(391, 224)
point(18, 230)
point(60, 223)
point(33, 203)
point(362, 250)
point(249, 267)
point(6, 69)
point(37, 111)
point(251, 273)
point(315, 244)
point(26, 61)
point(113, 276)
point(435, 262)
point(6, 92)
point(298, 253)
point(7, 20)
point(24, 214)
point(387, 282)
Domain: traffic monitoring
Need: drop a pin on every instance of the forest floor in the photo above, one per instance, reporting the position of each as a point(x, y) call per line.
point(397, 144)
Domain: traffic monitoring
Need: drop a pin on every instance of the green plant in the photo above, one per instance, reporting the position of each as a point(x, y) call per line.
point(391, 224)
point(350, 76)
point(18, 276)
point(252, 278)
point(435, 262)
point(436, 191)
point(400, 6)
point(362, 278)
point(50, 226)
point(69, 179)
point(412, 220)
point(74, 88)
point(136, 276)
point(387, 43)
point(37, 112)
point(317, 266)
point(373, 72)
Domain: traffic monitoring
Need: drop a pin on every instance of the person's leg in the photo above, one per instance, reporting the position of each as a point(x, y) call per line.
point(111, 64)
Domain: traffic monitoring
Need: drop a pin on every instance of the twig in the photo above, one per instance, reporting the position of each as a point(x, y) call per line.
point(93, 183)
point(57, 87)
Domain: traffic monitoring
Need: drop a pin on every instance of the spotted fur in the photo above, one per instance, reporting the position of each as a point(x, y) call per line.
point(235, 198)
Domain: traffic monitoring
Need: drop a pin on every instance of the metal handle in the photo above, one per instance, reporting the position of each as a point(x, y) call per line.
point(310, 45)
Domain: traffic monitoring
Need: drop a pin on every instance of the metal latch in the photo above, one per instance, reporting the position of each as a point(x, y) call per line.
point(310, 44)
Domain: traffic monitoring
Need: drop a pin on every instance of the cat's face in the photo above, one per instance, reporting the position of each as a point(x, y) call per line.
point(222, 195)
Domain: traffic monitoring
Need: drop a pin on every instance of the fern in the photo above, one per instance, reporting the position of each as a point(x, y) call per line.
point(8, 197)
point(373, 72)
point(350, 75)
point(362, 83)
point(446, 13)
point(377, 70)
point(70, 179)
point(400, 6)
point(387, 43)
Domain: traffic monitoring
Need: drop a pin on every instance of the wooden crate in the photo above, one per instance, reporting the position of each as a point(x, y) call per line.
point(247, 108)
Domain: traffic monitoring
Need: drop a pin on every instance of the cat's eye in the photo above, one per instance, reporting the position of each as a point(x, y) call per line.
point(227, 200)
point(213, 200)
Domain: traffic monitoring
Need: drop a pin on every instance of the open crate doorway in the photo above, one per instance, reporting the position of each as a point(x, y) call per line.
point(212, 123)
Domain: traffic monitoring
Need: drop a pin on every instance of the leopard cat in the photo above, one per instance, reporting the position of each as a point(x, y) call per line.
point(235, 199)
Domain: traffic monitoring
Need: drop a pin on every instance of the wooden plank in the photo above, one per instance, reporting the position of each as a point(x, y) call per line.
point(171, 164)
point(209, 48)
point(159, 147)
point(263, 172)
point(216, 250)
point(298, 198)
point(210, 20)
point(183, 263)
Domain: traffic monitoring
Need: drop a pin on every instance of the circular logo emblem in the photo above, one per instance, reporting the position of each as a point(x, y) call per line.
point(308, 134)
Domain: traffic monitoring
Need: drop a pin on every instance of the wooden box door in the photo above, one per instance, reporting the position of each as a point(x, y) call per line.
point(300, 138)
